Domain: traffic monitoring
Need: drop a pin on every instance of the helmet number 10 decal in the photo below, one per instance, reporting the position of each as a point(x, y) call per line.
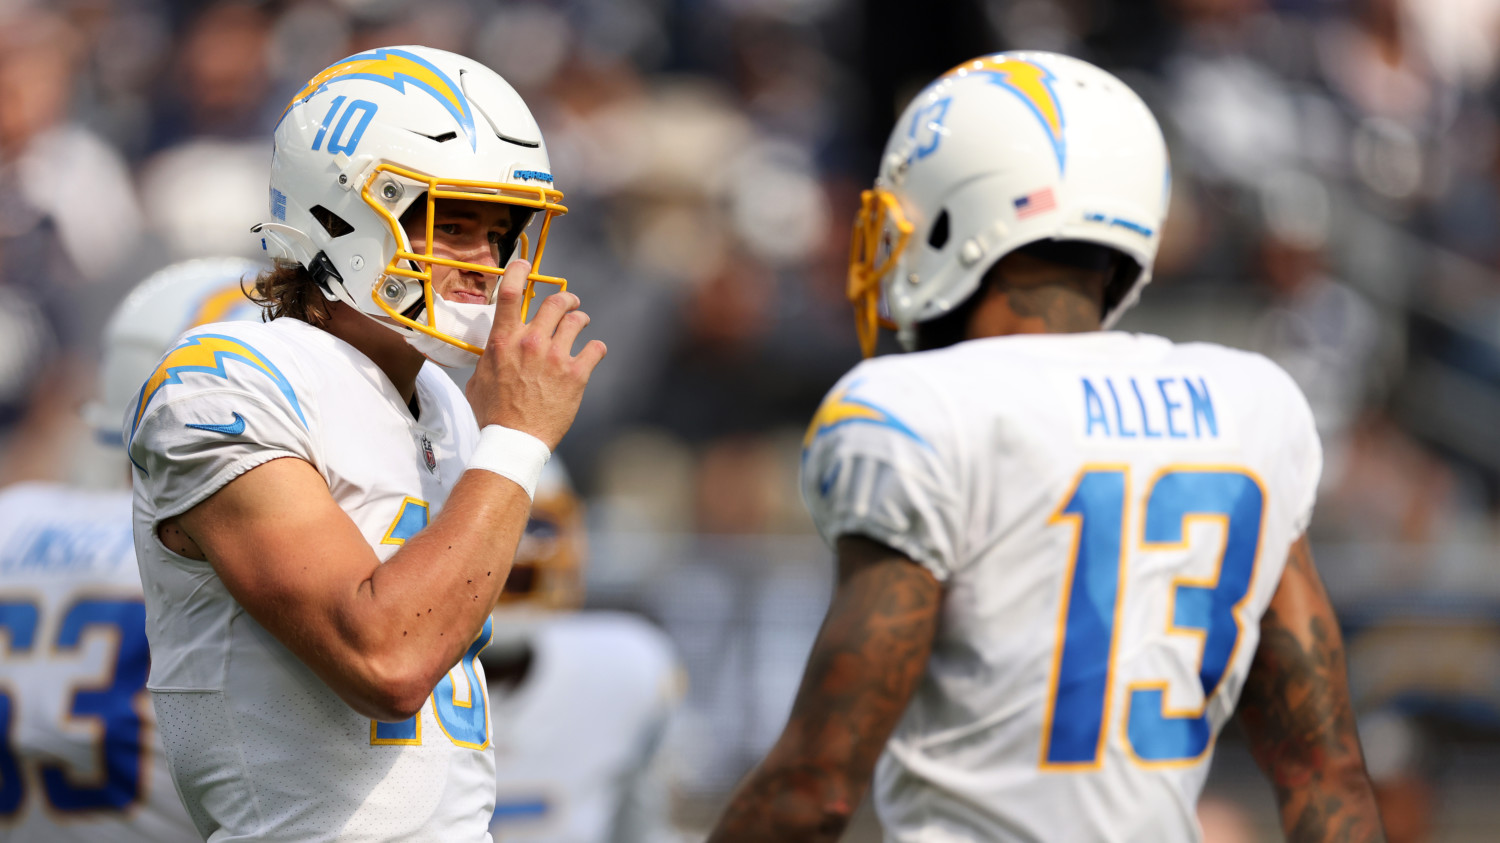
point(343, 138)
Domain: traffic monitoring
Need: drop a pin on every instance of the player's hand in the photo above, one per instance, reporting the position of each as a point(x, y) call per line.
point(528, 378)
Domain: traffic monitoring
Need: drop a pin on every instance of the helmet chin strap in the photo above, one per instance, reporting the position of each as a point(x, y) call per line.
point(328, 279)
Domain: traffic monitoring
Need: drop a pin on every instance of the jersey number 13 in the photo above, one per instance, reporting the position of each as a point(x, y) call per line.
point(1076, 722)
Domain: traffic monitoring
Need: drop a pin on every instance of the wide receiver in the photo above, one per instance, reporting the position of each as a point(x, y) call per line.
point(80, 757)
point(1065, 554)
point(580, 701)
point(321, 526)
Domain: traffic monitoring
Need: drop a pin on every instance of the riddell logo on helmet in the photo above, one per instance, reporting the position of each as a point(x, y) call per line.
point(394, 69)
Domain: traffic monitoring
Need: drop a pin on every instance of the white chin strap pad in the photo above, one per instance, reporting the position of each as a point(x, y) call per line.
point(462, 321)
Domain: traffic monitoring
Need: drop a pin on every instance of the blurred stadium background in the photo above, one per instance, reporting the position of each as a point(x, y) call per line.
point(1336, 205)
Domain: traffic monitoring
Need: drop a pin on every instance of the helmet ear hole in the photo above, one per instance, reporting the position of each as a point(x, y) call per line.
point(938, 237)
point(335, 225)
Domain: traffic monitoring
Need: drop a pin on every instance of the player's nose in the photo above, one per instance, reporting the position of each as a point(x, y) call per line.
point(479, 250)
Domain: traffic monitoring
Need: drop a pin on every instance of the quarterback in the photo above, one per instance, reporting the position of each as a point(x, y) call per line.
point(1066, 556)
point(322, 527)
point(81, 761)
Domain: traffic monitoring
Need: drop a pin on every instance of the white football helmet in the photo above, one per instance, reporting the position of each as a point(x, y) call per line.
point(1000, 152)
point(159, 309)
point(374, 133)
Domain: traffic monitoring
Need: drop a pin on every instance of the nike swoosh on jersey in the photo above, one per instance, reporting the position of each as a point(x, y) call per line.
point(234, 428)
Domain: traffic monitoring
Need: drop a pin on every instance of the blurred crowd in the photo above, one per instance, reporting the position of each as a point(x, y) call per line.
point(1335, 205)
point(1336, 190)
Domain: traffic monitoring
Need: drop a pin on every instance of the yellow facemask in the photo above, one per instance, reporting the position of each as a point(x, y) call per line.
point(533, 198)
point(880, 235)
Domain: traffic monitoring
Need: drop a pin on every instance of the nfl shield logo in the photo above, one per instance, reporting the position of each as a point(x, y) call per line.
point(428, 455)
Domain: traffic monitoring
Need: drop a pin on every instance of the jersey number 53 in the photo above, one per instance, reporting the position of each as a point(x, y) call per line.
point(110, 705)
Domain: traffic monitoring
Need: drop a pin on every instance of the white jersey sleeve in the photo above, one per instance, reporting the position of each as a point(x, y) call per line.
point(217, 405)
point(1301, 454)
point(873, 465)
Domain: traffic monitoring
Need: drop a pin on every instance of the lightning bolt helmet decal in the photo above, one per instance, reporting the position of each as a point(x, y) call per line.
point(1033, 84)
point(395, 68)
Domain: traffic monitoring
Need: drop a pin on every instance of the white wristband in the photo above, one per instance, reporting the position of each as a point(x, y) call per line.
point(512, 454)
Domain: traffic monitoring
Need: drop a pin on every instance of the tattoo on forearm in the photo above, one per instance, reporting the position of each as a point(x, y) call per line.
point(869, 657)
point(1295, 710)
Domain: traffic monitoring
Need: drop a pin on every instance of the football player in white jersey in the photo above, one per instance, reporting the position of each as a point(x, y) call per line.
point(580, 700)
point(1065, 554)
point(80, 759)
point(321, 526)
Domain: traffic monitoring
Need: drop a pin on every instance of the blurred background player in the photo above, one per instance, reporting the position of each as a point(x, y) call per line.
point(580, 702)
point(80, 759)
point(1065, 554)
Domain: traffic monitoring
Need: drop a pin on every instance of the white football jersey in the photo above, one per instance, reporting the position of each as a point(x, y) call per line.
point(79, 756)
point(260, 747)
point(1109, 515)
point(576, 742)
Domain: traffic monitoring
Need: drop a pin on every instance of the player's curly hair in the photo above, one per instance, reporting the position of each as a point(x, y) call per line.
point(288, 289)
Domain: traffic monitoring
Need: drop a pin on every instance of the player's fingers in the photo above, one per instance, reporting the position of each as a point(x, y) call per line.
point(568, 328)
point(553, 309)
point(591, 354)
point(509, 296)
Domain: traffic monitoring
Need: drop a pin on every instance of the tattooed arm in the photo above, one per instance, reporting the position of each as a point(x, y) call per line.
point(869, 656)
point(1295, 710)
